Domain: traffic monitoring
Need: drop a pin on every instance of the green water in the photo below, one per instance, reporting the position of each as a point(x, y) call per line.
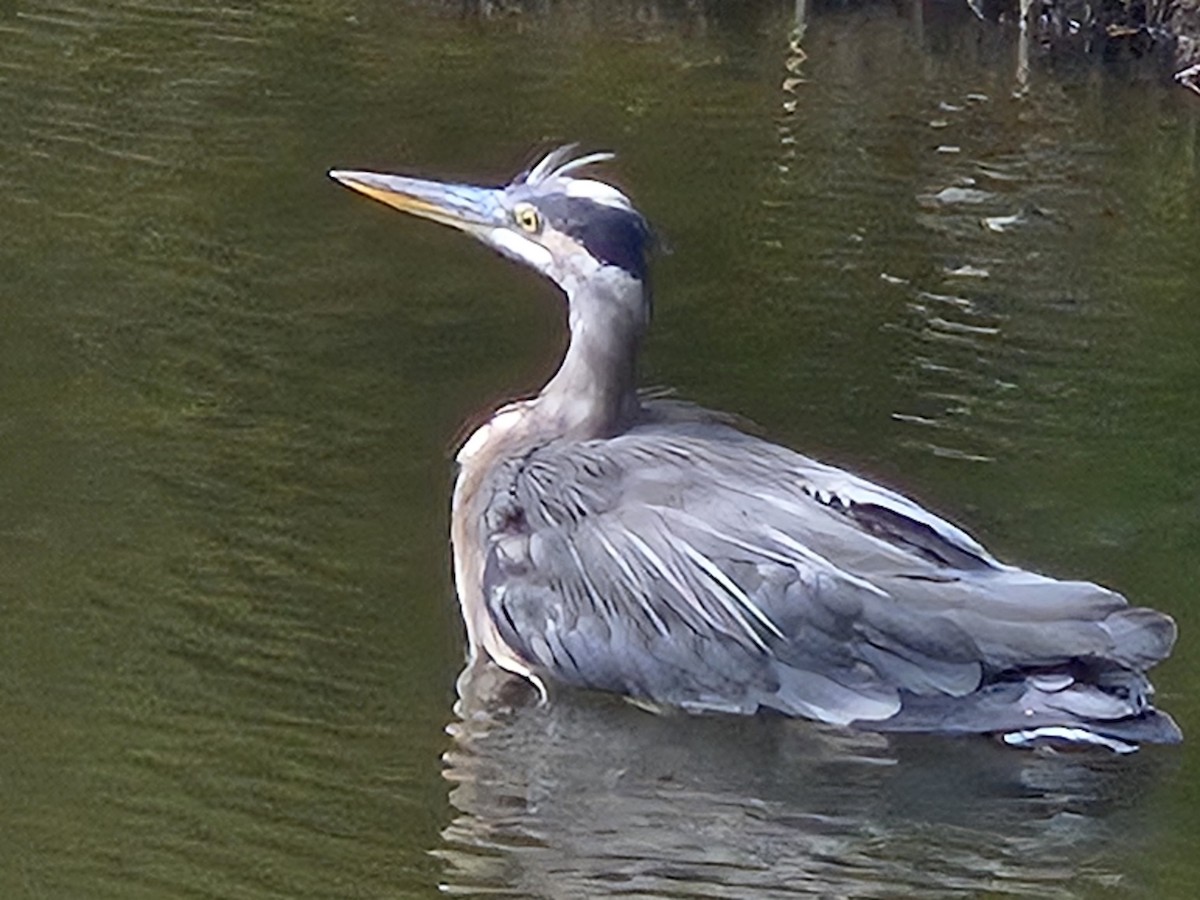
point(230, 391)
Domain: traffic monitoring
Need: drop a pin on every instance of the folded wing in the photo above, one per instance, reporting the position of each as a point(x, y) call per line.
point(663, 565)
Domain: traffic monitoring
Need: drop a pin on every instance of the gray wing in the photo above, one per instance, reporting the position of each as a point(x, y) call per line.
point(700, 567)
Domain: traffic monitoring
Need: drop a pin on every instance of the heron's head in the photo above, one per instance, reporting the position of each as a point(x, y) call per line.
point(574, 230)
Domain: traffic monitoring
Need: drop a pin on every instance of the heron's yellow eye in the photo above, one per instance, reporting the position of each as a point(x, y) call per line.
point(527, 218)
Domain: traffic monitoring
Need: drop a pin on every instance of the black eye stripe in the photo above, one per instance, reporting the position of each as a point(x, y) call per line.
point(615, 236)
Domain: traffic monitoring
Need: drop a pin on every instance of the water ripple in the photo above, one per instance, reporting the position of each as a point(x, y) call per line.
point(590, 797)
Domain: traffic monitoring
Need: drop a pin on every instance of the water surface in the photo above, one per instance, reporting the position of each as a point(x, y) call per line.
point(229, 394)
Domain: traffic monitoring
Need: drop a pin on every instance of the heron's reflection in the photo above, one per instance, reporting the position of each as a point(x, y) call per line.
point(587, 796)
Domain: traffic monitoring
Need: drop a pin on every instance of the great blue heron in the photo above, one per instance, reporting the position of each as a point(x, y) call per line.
point(648, 547)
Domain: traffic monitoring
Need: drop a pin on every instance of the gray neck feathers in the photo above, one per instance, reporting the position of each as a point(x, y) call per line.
point(594, 392)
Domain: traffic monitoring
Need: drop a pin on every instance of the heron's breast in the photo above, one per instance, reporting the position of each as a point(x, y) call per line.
point(485, 443)
point(483, 451)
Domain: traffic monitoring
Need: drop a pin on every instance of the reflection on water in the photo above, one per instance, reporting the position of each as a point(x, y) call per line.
point(589, 797)
point(1009, 257)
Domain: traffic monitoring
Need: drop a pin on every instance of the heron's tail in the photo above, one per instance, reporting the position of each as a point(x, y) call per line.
point(1096, 693)
point(1061, 663)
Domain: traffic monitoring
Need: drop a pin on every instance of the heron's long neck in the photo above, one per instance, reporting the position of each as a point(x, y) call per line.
point(594, 392)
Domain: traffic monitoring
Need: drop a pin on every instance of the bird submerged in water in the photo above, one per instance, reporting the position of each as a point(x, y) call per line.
point(647, 547)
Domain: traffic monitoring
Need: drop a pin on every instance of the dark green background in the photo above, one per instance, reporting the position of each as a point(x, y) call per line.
point(230, 391)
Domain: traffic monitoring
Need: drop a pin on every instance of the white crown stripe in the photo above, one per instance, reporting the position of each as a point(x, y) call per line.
point(557, 165)
point(597, 192)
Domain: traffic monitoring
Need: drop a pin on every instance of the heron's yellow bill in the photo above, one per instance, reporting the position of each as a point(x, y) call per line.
point(461, 206)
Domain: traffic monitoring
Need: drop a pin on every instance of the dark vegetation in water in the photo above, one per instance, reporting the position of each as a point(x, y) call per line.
point(1161, 33)
point(1114, 30)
